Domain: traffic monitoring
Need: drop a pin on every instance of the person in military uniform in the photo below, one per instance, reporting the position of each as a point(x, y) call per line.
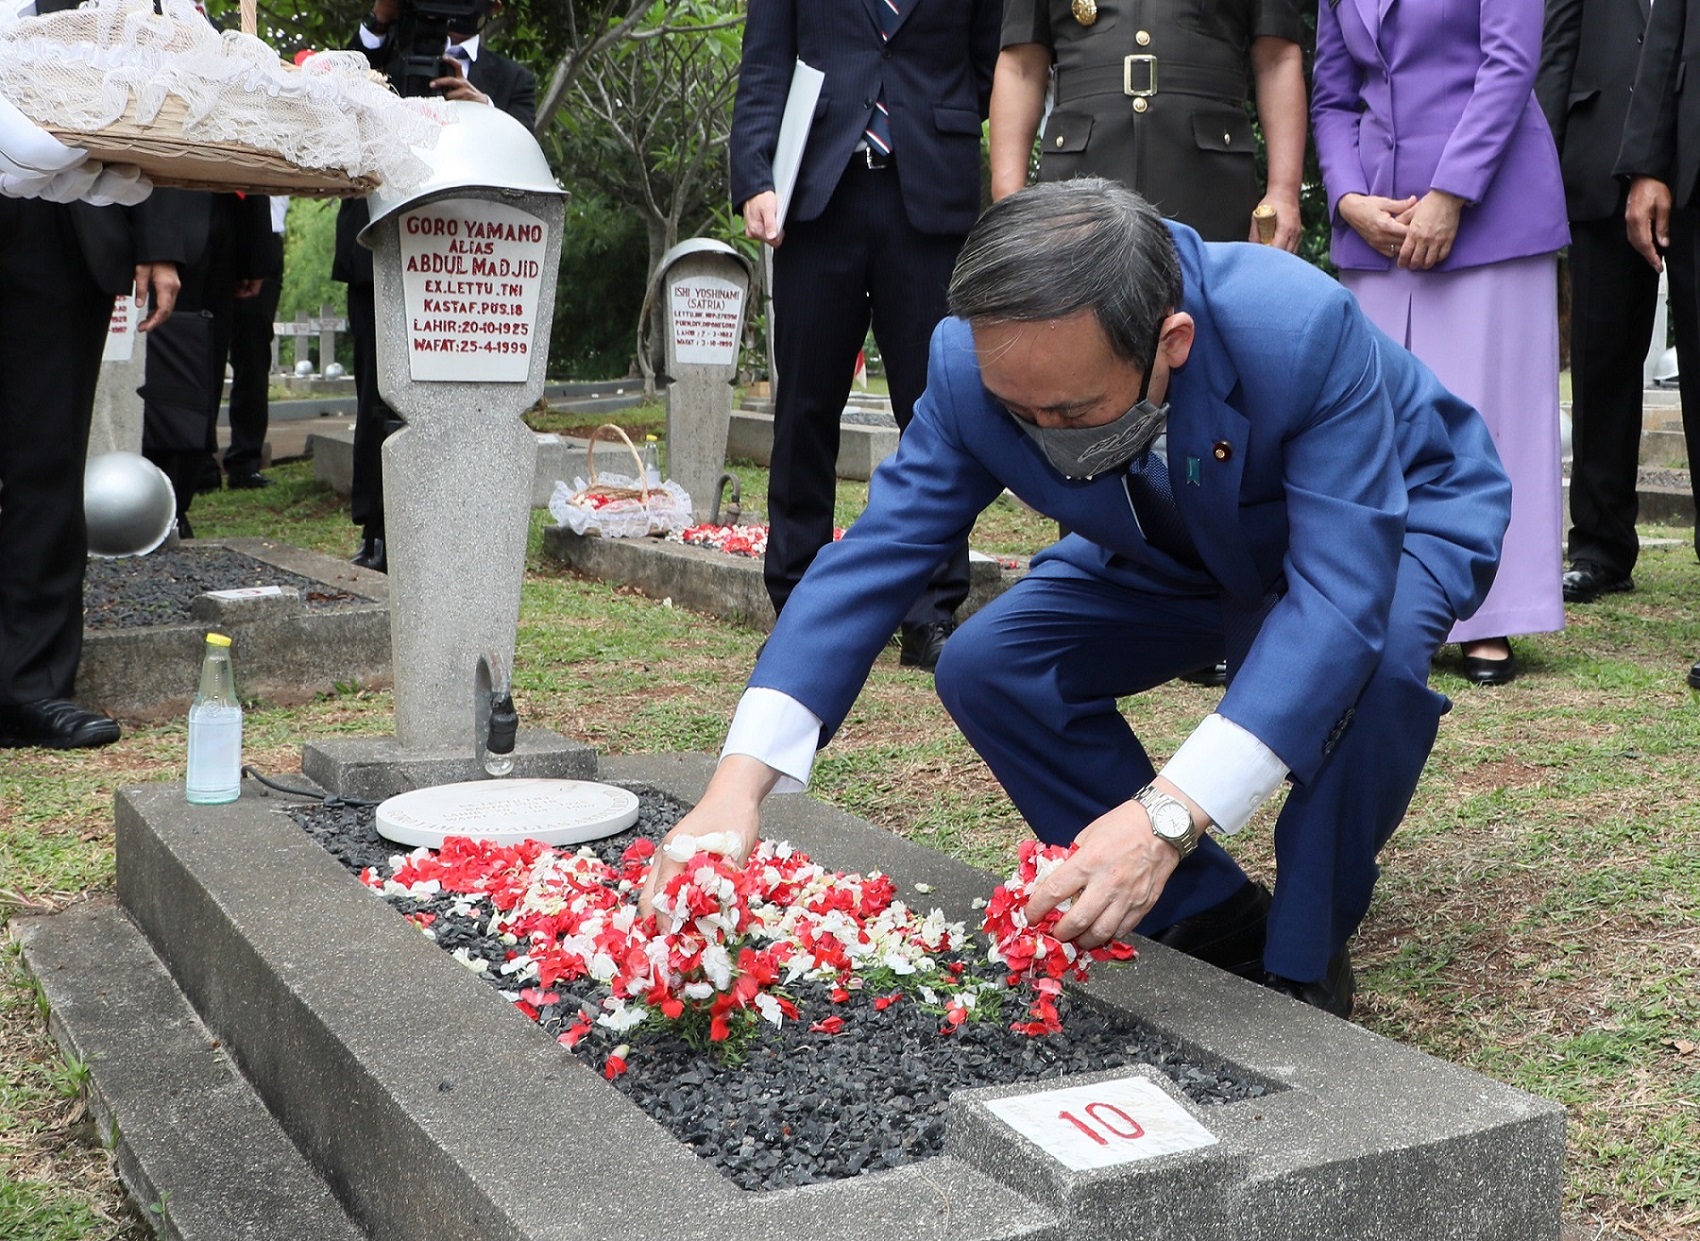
point(1153, 95)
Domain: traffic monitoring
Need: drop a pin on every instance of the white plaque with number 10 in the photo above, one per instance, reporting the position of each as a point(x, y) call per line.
point(1086, 1127)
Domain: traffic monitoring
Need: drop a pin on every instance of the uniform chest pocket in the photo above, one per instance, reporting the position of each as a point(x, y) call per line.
point(1225, 130)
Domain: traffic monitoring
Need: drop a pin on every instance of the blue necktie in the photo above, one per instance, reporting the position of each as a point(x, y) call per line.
point(1154, 504)
point(878, 131)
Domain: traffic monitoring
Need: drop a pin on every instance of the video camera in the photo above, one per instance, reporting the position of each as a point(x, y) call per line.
point(421, 32)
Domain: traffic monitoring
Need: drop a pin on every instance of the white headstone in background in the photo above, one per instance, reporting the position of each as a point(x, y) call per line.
point(554, 812)
point(117, 423)
point(708, 318)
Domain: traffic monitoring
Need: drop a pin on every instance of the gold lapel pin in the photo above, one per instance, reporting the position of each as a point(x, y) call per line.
point(1085, 11)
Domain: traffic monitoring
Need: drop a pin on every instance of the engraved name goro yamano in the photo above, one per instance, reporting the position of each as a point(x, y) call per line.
point(472, 275)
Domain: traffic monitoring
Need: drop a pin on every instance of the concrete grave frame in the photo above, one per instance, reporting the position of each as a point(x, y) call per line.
point(448, 1115)
point(283, 653)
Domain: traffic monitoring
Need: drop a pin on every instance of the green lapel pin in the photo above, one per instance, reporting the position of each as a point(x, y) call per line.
point(1192, 471)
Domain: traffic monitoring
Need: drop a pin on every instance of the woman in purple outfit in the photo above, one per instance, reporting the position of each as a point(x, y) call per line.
point(1448, 209)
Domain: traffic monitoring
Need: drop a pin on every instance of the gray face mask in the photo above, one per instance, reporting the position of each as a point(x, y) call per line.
point(1086, 452)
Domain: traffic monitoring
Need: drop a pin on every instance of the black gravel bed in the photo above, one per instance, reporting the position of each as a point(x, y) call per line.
point(160, 588)
point(793, 1107)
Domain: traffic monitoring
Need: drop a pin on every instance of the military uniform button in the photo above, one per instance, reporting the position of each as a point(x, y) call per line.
point(1227, 139)
point(1060, 141)
point(1139, 105)
point(1143, 38)
point(1222, 451)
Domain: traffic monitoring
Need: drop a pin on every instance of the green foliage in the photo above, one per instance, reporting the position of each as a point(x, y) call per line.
point(309, 241)
point(604, 263)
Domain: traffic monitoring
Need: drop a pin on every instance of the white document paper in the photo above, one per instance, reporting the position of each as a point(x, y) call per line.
point(794, 132)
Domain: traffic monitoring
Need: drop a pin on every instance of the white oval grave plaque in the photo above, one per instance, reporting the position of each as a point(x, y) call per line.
point(555, 812)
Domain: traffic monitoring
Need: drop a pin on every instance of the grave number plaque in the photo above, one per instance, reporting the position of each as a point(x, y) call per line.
point(121, 330)
point(1113, 1122)
point(471, 275)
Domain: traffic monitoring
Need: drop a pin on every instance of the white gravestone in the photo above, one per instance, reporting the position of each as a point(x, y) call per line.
point(704, 288)
point(117, 422)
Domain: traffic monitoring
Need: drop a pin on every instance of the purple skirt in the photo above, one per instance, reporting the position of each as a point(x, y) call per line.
point(1490, 335)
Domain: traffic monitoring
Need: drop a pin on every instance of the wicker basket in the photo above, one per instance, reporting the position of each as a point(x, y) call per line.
point(598, 488)
point(170, 159)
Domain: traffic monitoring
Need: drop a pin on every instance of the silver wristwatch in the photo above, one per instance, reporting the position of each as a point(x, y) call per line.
point(1170, 819)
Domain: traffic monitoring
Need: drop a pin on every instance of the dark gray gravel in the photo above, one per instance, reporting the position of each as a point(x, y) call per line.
point(866, 417)
point(159, 588)
point(801, 1108)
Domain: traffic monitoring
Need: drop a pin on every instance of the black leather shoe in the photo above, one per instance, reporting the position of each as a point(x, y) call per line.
point(1694, 676)
point(1216, 675)
point(249, 482)
point(1228, 935)
point(1480, 671)
point(372, 556)
point(1587, 581)
point(54, 724)
point(1332, 994)
point(184, 529)
point(923, 644)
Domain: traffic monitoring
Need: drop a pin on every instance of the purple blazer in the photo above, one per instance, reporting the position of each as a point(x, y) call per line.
point(1414, 95)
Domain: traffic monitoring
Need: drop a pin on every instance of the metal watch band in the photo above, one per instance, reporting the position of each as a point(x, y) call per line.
point(1161, 807)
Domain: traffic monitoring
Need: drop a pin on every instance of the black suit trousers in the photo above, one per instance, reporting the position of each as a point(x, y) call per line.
point(861, 260)
point(373, 418)
point(53, 321)
point(1682, 266)
point(1613, 297)
point(250, 377)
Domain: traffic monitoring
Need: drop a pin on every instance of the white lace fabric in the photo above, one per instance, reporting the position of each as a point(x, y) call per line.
point(83, 69)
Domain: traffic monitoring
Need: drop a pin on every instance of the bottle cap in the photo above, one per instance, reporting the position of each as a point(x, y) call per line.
point(652, 439)
point(217, 639)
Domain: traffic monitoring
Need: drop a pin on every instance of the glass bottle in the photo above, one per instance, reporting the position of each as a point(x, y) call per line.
point(652, 460)
point(215, 730)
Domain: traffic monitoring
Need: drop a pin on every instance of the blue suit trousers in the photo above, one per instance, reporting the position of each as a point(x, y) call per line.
point(1033, 681)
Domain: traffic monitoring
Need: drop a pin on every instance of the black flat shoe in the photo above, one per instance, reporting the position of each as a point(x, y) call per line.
point(1587, 581)
point(1332, 994)
point(1694, 676)
point(1228, 935)
point(1480, 671)
point(54, 724)
point(923, 644)
point(1215, 676)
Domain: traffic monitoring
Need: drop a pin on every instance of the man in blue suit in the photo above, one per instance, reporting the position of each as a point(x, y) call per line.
point(1287, 488)
point(888, 187)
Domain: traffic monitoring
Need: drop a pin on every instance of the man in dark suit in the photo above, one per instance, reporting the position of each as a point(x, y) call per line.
point(471, 72)
point(888, 188)
point(61, 265)
point(251, 359)
point(1588, 57)
point(1661, 158)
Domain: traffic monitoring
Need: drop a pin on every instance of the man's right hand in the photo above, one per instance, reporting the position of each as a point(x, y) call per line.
point(761, 218)
point(731, 803)
point(160, 282)
point(1648, 219)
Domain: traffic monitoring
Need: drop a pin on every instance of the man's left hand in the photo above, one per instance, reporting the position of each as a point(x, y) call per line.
point(1288, 226)
point(159, 280)
point(1113, 878)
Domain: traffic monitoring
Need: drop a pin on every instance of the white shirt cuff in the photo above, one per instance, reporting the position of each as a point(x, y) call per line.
point(776, 729)
point(370, 40)
point(1226, 770)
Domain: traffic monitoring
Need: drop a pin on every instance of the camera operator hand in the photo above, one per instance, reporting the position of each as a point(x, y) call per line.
point(453, 84)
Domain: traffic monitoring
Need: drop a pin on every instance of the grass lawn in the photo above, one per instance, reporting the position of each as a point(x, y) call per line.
point(1538, 918)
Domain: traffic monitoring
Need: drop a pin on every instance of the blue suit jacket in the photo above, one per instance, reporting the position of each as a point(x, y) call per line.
point(1321, 450)
point(937, 76)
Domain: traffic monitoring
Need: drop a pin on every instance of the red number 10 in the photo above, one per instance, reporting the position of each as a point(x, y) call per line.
point(1101, 1112)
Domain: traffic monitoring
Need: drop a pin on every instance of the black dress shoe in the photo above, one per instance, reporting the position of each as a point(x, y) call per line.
point(1694, 676)
point(1587, 581)
point(249, 482)
point(1228, 935)
point(54, 724)
point(372, 556)
point(1216, 675)
point(184, 529)
point(1479, 671)
point(923, 644)
point(1332, 994)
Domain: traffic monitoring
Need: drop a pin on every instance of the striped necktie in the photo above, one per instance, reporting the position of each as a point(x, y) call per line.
point(878, 131)
point(1153, 499)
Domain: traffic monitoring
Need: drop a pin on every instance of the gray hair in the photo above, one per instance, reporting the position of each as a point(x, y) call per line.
point(1060, 247)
